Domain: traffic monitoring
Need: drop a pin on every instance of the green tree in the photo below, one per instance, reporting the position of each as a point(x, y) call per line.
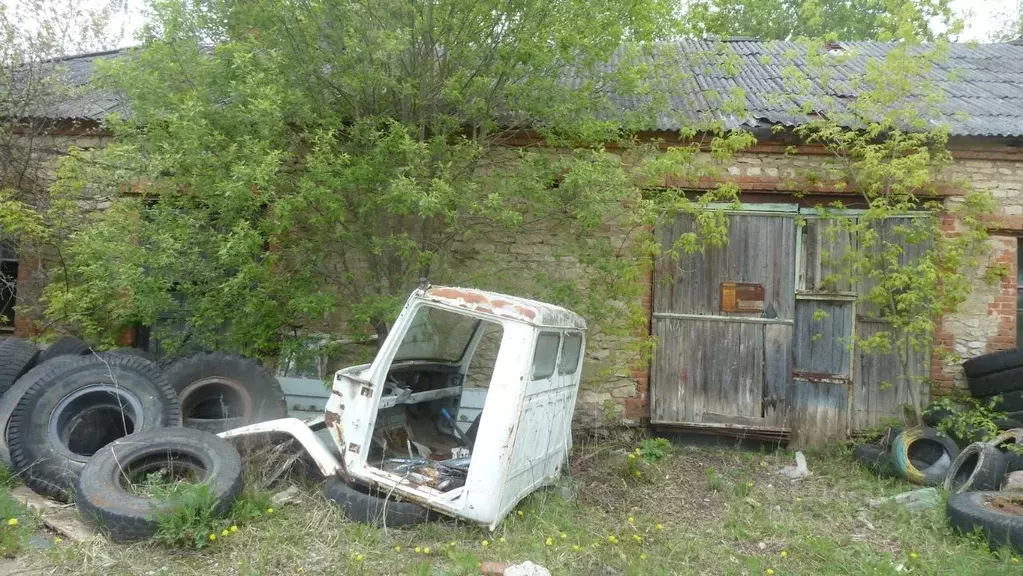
point(833, 19)
point(34, 36)
point(300, 164)
point(910, 255)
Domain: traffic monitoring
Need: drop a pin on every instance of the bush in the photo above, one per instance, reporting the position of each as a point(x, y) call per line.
point(192, 522)
point(967, 419)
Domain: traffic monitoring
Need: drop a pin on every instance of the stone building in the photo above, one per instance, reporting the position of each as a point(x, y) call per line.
point(837, 391)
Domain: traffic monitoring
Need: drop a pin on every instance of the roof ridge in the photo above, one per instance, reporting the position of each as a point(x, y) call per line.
point(85, 55)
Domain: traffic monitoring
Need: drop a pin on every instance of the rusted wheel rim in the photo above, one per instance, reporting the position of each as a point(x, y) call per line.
point(1006, 505)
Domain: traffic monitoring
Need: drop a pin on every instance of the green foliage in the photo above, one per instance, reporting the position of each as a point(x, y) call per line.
point(656, 449)
point(836, 19)
point(8, 479)
point(16, 525)
point(186, 514)
point(303, 176)
point(968, 418)
point(715, 483)
point(906, 269)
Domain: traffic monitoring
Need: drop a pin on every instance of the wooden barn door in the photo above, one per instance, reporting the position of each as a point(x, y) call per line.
point(825, 323)
point(724, 320)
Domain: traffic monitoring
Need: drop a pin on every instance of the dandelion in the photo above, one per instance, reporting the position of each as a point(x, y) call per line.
point(397, 548)
point(234, 529)
point(213, 537)
point(762, 463)
point(638, 473)
point(519, 512)
point(485, 543)
point(749, 484)
point(225, 532)
point(575, 548)
point(418, 549)
point(770, 572)
point(550, 541)
point(269, 510)
point(631, 520)
point(359, 557)
point(632, 456)
point(638, 451)
point(426, 550)
point(913, 555)
point(12, 522)
point(612, 539)
point(564, 536)
point(659, 526)
point(58, 541)
point(642, 556)
point(784, 554)
point(452, 543)
point(637, 538)
point(501, 539)
point(799, 499)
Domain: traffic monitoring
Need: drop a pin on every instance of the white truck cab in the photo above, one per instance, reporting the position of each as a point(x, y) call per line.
point(466, 408)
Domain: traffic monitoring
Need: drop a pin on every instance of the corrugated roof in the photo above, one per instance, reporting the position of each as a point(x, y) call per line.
point(981, 85)
point(78, 100)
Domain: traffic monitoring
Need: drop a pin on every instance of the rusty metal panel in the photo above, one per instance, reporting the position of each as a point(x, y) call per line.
point(742, 297)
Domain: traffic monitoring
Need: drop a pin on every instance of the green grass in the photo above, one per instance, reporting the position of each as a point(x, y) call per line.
point(16, 523)
point(696, 511)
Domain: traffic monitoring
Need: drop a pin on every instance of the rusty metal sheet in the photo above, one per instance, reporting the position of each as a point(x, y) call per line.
point(742, 297)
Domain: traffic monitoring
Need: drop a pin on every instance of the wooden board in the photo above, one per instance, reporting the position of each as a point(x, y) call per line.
point(879, 394)
point(825, 244)
point(819, 414)
point(824, 337)
point(760, 250)
point(711, 365)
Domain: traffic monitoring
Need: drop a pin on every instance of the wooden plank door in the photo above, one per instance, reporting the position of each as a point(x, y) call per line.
point(880, 393)
point(723, 319)
point(825, 324)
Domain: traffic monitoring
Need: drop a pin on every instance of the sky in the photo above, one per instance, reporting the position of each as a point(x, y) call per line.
point(988, 16)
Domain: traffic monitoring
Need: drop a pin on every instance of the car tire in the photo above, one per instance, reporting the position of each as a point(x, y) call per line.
point(980, 466)
point(924, 444)
point(874, 458)
point(10, 400)
point(103, 498)
point(992, 363)
point(371, 506)
point(17, 356)
point(137, 352)
point(1002, 526)
point(64, 346)
point(222, 391)
point(996, 383)
point(75, 408)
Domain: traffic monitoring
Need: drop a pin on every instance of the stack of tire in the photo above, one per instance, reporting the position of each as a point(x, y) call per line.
point(999, 374)
point(975, 482)
point(83, 426)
